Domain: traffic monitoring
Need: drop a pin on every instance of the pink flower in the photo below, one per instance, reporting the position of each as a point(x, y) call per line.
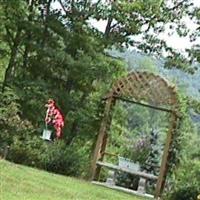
point(54, 117)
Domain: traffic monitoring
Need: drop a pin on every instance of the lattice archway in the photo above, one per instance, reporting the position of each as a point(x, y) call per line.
point(146, 89)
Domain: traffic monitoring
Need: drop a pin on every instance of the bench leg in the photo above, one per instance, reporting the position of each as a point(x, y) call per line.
point(142, 186)
point(111, 178)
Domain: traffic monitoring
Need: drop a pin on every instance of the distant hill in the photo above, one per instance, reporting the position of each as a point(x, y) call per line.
point(185, 82)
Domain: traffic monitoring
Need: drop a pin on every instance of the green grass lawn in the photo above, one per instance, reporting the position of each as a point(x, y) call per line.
point(18, 182)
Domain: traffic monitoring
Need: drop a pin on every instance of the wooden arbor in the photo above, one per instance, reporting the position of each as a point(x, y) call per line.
point(145, 89)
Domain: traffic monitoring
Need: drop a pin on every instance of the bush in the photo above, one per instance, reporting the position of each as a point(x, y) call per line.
point(62, 159)
point(54, 156)
point(140, 150)
point(187, 182)
point(26, 151)
point(185, 193)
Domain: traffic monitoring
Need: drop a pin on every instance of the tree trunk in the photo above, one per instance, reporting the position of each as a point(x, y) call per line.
point(109, 23)
point(47, 12)
point(11, 64)
point(108, 27)
point(74, 128)
point(27, 47)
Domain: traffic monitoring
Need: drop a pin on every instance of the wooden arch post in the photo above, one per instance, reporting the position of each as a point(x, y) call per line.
point(102, 139)
point(164, 164)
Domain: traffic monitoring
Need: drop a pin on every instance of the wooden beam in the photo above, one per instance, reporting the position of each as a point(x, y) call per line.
point(110, 154)
point(102, 153)
point(148, 105)
point(101, 140)
point(118, 168)
point(165, 157)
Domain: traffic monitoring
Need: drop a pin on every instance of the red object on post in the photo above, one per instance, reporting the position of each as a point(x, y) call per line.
point(54, 117)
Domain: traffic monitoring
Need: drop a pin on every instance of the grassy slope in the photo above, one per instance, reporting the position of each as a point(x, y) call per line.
point(18, 182)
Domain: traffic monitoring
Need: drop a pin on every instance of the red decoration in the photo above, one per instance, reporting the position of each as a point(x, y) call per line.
point(54, 117)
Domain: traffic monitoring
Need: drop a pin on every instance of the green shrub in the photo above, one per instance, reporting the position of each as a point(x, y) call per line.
point(62, 159)
point(185, 193)
point(54, 156)
point(187, 182)
point(9, 118)
point(26, 151)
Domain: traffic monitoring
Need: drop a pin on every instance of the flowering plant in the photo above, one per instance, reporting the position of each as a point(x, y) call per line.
point(140, 150)
point(54, 117)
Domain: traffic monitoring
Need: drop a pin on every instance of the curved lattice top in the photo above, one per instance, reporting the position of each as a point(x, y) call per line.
point(146, 87)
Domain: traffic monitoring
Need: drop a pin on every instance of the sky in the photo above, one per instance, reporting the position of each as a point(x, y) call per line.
point(179, 43)
point(174, 41)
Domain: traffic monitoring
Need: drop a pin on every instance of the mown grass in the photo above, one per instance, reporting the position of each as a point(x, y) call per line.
point(18, 182)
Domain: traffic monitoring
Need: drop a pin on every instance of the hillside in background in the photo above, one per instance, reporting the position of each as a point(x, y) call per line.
point(185, 82)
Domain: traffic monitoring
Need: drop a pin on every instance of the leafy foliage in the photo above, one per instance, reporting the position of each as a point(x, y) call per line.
point(11, 123)
point(186, 185)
